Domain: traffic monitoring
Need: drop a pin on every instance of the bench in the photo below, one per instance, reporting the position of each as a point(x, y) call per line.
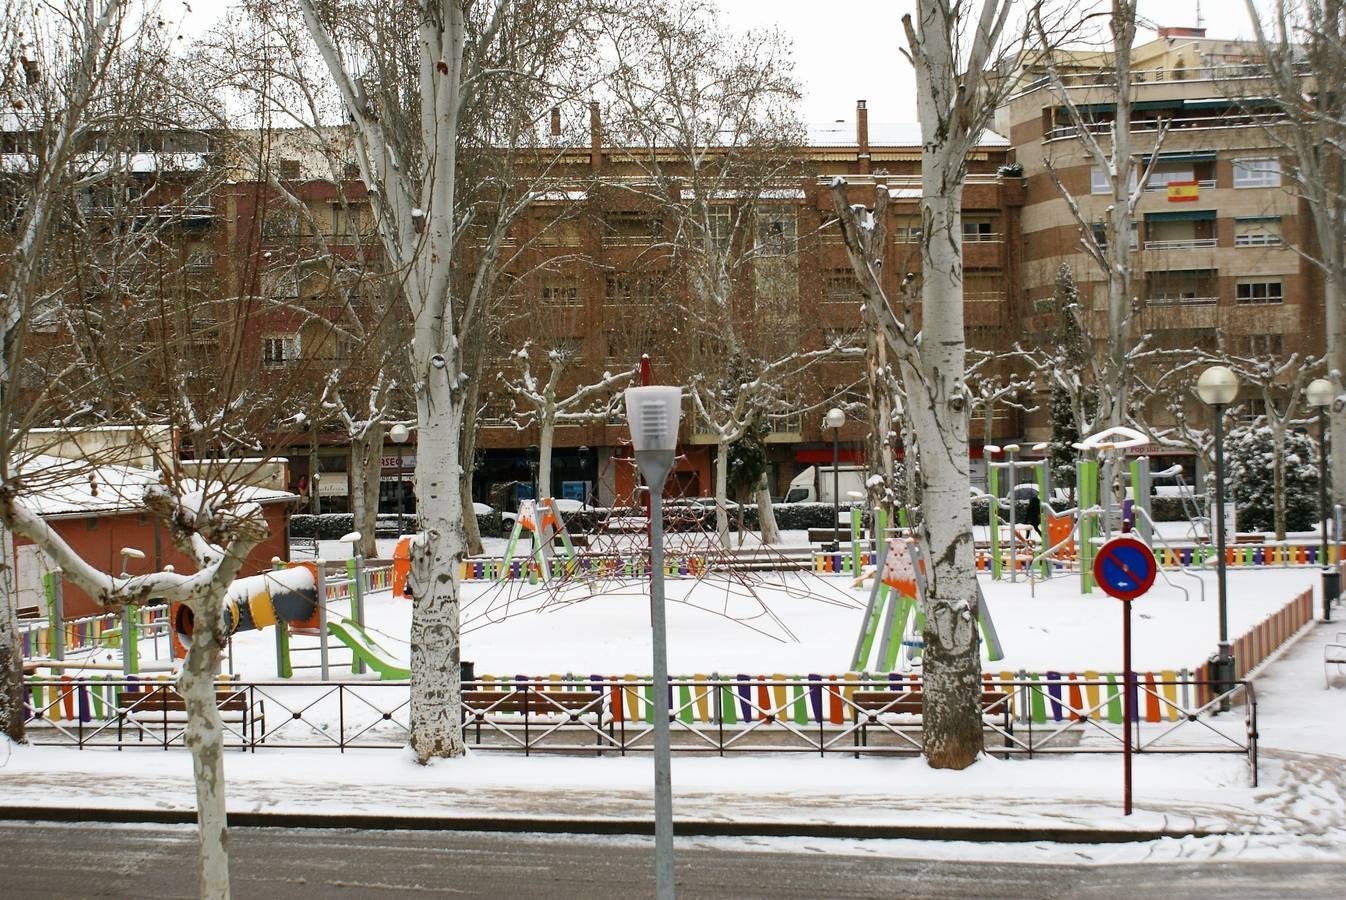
point(514, 706)
point(870, 705)
point(1334, 655)
point(163, 705)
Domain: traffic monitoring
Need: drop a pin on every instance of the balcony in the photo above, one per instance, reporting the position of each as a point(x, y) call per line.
point(1193, 243)
point(1157, 186)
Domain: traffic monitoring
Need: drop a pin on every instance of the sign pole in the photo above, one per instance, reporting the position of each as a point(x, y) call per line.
point(1128, 713)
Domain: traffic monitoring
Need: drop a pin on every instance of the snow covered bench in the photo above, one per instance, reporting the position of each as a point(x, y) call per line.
point(526, 707)
point(1334, 655)
point(902, 709)
point(161, 706)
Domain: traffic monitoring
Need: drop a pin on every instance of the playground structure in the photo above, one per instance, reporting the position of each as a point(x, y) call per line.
point(894, 614)
point(285, 600)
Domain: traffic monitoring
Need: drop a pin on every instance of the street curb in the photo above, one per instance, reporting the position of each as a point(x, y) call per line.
point(683, 828)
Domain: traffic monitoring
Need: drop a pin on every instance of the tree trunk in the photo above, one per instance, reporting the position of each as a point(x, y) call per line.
point(939, 412)
point(205, 740)
point(546, 437)
point(436, 699)
point(1278, 483)
point(472, 544)
point(367, 466)
point(11, 645)
point(468, 451)
point(1334, 292)
point(722, 493)
point(766, 515)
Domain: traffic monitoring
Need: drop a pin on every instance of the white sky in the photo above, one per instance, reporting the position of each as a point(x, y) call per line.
point(848, 50)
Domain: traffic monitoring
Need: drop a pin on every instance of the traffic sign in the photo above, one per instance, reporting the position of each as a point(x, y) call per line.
point(1124, 568)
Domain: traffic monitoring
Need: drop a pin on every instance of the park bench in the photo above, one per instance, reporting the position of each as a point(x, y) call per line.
point(1334, 656)
point(871, 705)
point(162, 706)
point(515, 707)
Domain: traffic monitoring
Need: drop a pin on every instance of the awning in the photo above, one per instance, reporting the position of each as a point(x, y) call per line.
point(1257, 218)
point(1087, 109)
point(1145, 105)
point(1192, 215)
point(1184, 156)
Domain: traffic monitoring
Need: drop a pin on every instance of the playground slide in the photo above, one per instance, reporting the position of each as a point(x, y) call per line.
point(366, 649)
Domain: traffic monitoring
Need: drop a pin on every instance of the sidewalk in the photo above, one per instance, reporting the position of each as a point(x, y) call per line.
point(1298, 807)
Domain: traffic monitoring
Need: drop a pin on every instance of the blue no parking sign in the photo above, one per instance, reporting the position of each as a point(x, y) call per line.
point(1124, 568)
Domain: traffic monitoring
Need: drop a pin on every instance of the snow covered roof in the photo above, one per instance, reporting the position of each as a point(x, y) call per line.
point(60, 488)
point(841, 133)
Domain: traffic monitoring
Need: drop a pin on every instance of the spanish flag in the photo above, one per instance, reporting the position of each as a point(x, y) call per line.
point(1183, 191)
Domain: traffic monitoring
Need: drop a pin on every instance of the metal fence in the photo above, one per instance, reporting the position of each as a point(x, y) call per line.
point(604, 715)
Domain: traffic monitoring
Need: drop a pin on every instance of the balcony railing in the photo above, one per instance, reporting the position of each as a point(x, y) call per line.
point(1181, 244)
point(1147, 125)
point(1163, 185)
point(987, 238)
point(983, 296)
point(1182, 301)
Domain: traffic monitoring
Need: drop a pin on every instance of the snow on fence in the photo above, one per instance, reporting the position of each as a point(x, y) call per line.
point(1254, 646)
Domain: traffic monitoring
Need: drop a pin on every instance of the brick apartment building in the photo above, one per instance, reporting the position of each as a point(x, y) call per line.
point(1214, 261)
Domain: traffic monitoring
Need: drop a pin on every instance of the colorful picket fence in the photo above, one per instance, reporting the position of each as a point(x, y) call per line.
point(675, 565)
point(87, 632)
point(1253, 647)
point(818, 699)
point(1237, 556)
point(379, 578)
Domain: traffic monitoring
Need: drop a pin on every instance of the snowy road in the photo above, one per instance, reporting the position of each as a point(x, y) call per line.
point(40, 860)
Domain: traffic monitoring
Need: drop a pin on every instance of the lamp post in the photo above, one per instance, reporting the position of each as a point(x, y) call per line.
point(653, 413)
point(1320, 394)
point(583, 454)
point(531, 454)
point(1217, 387)
point(835, 418)
point(398, 434)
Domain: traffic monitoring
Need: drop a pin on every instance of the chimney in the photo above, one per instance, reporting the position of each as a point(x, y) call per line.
point(556, 121)
point(862, 135)
point(595, 137)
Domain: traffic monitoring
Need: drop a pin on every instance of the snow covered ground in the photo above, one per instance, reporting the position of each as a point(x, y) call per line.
point(802, 623)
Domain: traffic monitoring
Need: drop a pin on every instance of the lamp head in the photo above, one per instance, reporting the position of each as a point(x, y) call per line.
point(653, 413)
point(399, 433)
point(1217, 386)
point(1319, 393)
point(835, 418)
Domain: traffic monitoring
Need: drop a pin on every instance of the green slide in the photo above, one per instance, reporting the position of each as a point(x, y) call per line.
point(365, 648)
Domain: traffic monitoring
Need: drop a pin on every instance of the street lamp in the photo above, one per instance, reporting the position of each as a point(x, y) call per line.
point(653, 413)
point(1217, 387)
point(583, 453)
point(1320, 395)
point(835, 418)
point(398, 434)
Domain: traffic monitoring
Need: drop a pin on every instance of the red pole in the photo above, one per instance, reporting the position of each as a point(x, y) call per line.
point(1128, 714)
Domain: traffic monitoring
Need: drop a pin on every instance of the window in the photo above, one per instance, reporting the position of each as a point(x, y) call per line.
point(908, 230)
point(1101, 235)
point(719, 219)
point(1259, 232)
point(279, 350)
point(628, 226)
point(561, 233)
point(776, 231)
point(625, 288)
point(979, 229)
point(841, 286)
point(1099, 183)
point(1261, 344)
point(1255, 173)
point(560, 291)
point(289, 169)
point(1259, 292)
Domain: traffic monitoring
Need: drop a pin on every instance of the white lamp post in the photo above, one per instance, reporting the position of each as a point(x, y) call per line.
point(835, 418)
point(398, 434)
point(1320, 395)
point(653, 413)
point(1217, 387)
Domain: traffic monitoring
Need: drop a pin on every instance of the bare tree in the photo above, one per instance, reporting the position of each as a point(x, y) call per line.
point(957, 90)
point(545, 405)
point(1303, 48)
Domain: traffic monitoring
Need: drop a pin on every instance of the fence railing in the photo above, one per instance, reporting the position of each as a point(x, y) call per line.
point(847, 713)
point(89, 632)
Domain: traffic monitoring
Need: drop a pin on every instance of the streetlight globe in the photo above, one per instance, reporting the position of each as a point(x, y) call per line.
point(1320, 392)
point(399, 433)
point(835, 418)
point(1217, 386)
point(653, 412)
